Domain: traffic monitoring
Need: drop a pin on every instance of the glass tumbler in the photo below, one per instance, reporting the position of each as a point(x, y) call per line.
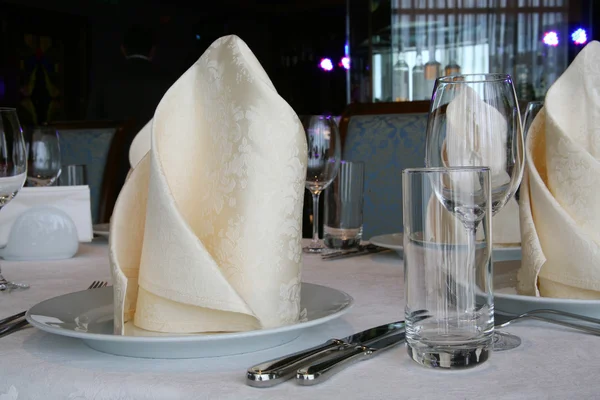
point(447, 266)
point(73, 175)
point(344, 207)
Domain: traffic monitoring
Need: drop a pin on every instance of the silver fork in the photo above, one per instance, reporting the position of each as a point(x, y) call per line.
point(503, 319)
point(7, 326)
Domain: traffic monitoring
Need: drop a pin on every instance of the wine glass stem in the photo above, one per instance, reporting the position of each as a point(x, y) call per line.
point(315, 197)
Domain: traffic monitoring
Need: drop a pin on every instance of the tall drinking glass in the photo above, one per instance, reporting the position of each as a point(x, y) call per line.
point(13, 168)
point(44, 157)
point(324, 155)
point(447, 266)
point(475, 121)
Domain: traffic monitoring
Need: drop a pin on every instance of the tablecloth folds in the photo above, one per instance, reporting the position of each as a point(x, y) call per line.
point(560, 206)
point(206, 233)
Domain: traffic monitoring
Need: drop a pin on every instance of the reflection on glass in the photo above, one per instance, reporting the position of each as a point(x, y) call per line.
point(465, 37)
point(44, 157)
point(418, 76)
point(401, 70)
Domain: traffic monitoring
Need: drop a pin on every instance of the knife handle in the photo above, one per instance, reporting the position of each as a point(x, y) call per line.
point(321, 371)
point(278, 370)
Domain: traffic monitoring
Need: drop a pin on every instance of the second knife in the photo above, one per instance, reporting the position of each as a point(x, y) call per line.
point(273, 372)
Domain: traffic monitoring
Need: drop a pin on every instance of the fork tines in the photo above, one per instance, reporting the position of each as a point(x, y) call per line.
point(15, 322)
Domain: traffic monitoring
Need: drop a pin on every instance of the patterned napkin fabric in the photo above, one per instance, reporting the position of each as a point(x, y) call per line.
point(206, 233)
point(560, 206)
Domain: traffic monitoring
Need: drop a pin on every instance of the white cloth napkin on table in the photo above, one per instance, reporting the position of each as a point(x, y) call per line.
point(560, 204)
point(73, 200)
point(206, 233)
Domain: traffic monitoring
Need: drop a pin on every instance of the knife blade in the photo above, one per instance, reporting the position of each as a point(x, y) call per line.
point(321, 370)
point(360, 251)
point(273, 372)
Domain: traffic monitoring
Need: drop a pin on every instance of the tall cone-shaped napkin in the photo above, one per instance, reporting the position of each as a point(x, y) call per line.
point(560, 193)
point(206, 233)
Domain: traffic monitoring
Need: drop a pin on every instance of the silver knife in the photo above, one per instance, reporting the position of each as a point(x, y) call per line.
point(273, 372)
point(321, 370)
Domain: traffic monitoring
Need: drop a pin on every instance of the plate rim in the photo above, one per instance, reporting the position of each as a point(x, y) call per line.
point(378, 242)
point(183, 337)
point(388, 246)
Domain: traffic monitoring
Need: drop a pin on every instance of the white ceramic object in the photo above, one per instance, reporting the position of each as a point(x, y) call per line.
point(507, 299)
point(395, 241)
point(88, 315)
point(41, 233)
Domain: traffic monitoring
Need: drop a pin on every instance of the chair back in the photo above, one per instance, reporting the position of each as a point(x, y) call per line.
point(100, 145)
point(387, 137)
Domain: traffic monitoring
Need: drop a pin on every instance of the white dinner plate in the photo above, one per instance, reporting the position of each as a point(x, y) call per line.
point(88, 315)
point(507, 299)
point(395, 241)
point(101, 229)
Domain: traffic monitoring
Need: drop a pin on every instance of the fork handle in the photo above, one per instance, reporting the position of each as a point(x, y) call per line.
point(12, 318)
point(15, 326)
point(566, 314)
point(584, 328)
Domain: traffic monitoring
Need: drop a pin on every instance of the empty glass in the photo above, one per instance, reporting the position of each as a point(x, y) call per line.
point(475, 121)
point(44, 157)
point(324, 155)
point(344, 207)
point(533, 108)
point(13, 168)
point(447, 266)
point(73, 175)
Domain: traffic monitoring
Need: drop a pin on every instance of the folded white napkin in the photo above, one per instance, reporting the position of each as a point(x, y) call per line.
point(560, 206)
point(206, 233)
point(468, 143)
point(73, 200)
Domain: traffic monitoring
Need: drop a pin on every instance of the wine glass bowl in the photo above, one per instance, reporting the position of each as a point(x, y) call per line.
point(13, 168)
point(44, 157)
point(324, 156)
point(475, 121)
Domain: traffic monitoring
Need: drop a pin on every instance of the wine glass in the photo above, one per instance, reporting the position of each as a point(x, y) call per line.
point(532, 109)
point(13, 168)
point(324, 155)
point(44, 157)
point(475, 121)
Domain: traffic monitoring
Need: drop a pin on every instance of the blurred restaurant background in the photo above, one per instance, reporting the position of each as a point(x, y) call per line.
point(320, 54)
point(339, 57)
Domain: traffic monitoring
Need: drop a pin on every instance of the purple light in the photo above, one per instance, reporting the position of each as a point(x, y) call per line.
point(326, 64)
point(550, 39)
point(579, 36)
point(345, 62)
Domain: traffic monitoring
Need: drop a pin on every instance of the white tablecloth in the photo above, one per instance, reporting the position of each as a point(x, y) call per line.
point(552, 362)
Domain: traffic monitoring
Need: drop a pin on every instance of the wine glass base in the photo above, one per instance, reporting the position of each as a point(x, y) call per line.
point(313, 249)
point(505, 341)
point(449, 357)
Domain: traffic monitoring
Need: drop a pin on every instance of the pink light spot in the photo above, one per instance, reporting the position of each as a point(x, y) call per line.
point(326, 64)
point(550, 39)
